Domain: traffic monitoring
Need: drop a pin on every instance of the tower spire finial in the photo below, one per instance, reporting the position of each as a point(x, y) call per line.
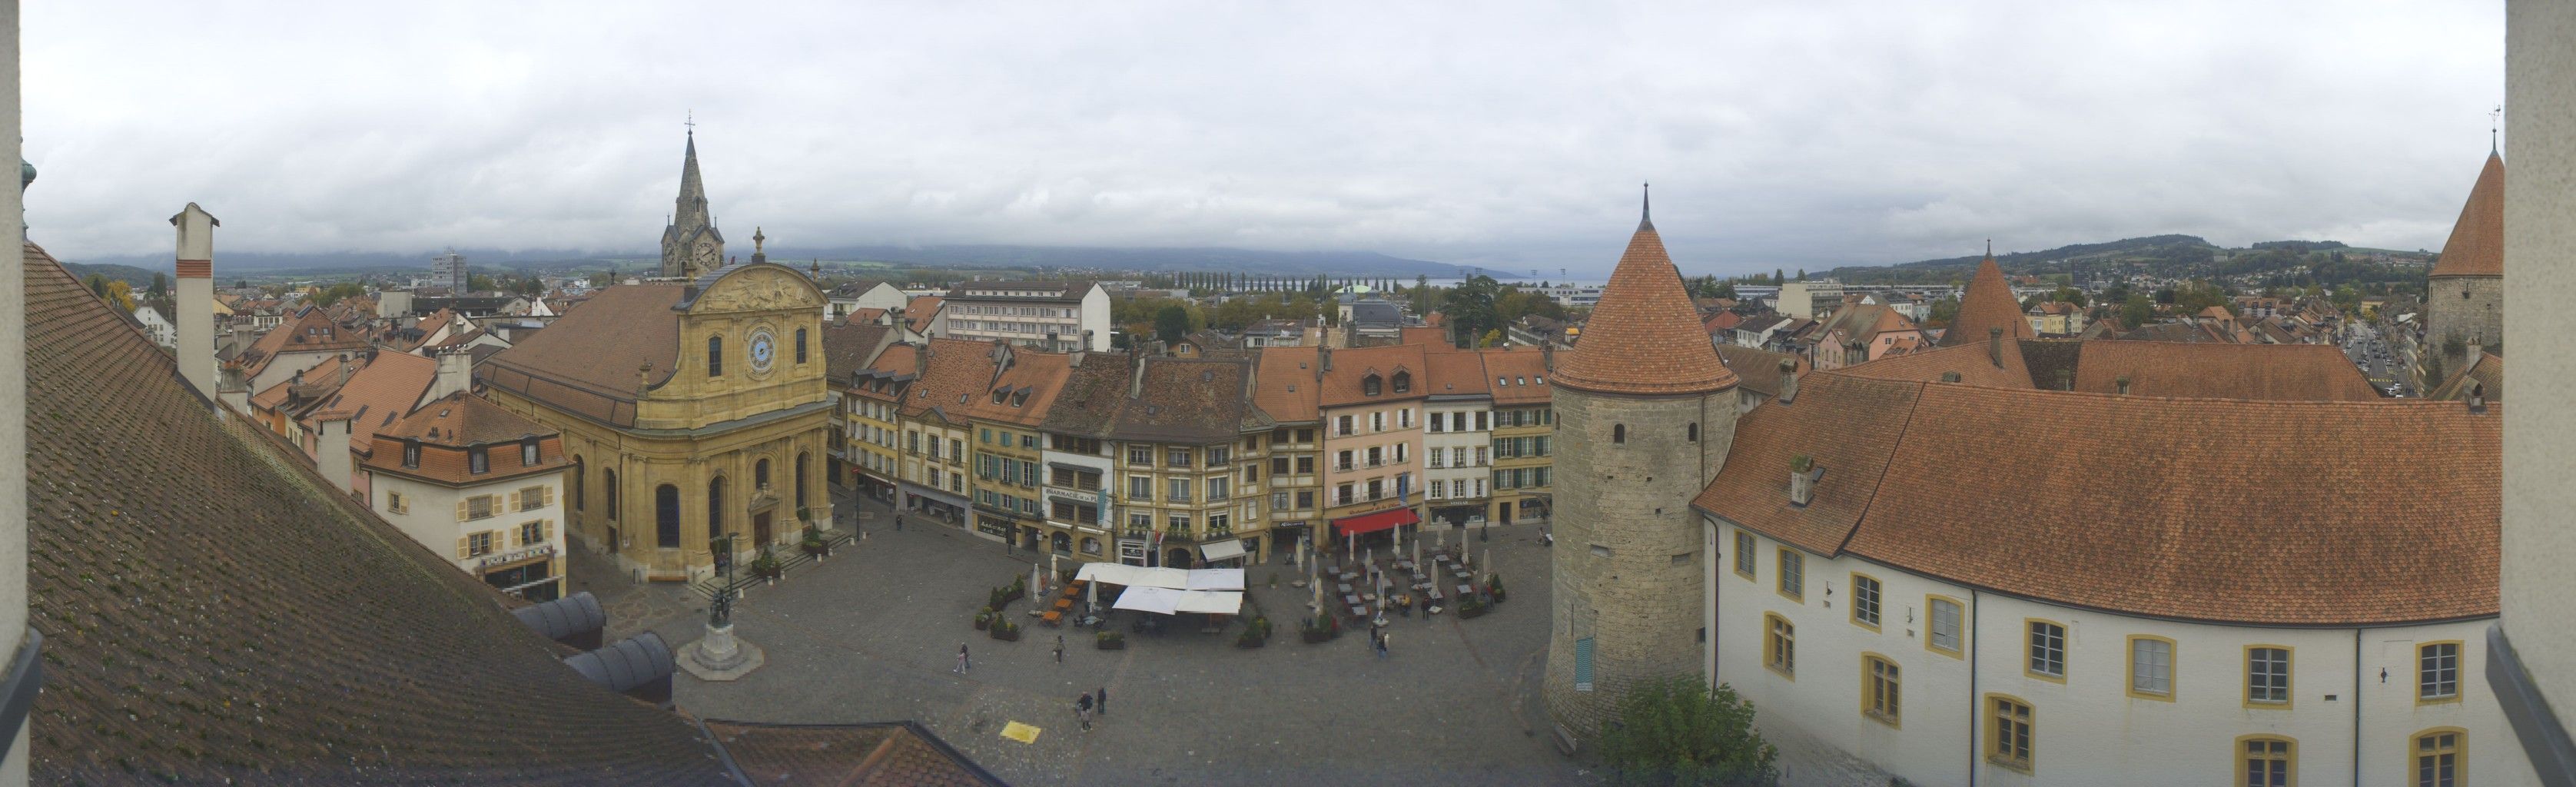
point(2495, 123)
point(1990, 248)
point(690, 119)
point(1646, 214)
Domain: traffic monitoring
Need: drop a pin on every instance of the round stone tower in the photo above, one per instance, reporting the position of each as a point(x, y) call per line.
point(1644, 414)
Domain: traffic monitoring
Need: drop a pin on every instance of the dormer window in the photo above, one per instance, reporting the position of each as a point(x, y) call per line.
point(478, 460)
point(1403, 382)
point(528, 452)
point(998, 393)
point(1371, 385)
point(411, 453)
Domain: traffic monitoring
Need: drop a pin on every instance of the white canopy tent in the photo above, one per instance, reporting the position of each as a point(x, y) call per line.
point(1167, 601)
point(1172, 578)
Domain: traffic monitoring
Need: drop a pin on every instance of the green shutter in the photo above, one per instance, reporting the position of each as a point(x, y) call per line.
point(1583, 664)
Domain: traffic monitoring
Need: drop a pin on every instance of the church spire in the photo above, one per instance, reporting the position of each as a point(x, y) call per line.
point(690, 243)
point(1646, 213)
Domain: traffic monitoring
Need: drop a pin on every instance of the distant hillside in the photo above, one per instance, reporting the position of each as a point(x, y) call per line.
point(2163, 256)
point(1299, 263)
point(139, 278)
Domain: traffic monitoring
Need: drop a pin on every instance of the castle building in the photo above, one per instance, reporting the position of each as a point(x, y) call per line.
point(695, 409)
point(1644, 414)
point(2238, 616)
point(691, 244)
point(2464, 294)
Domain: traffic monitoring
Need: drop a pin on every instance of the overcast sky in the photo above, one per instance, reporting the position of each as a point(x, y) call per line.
point(1510, 134)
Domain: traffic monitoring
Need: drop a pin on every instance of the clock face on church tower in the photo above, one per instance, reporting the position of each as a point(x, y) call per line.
point(764, 348)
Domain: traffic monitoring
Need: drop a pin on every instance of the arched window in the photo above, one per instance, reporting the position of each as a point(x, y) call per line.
point(715, 356)
point(2440, 757)
point(666, 516)
point(2266, 760)
point(1694, 431)
point(800, 345)
point(715, 507)
point(801, 459)
point(577, 479)
point(1619, 434)
point(760, 474)
point(608, 486)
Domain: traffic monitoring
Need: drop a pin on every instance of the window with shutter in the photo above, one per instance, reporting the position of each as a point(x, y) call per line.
point(1583, 664)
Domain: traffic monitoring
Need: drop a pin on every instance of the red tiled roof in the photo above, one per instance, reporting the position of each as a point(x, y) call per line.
point(2476, 247)
point(1974, 362)
point(447, 427)
point(385, 390)
point(2215, 519)
point(1521, 374)
point(1460, 373)
point(1285, 385)
point(2266, 372)
point(1987, 304)
point(1758, 370)
point(1342, 384)
point(586, 361)
point(850, 755)
point(1644, 337)
point(918, 312)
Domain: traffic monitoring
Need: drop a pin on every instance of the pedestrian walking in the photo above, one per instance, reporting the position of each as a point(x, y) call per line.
point(1082, 711)
point(1386, 644)
point(1059, 648)
point(898, 522)
point(963, 663)
point(1104, 701)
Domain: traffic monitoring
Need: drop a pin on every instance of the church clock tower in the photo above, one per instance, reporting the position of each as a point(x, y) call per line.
point(691, 245)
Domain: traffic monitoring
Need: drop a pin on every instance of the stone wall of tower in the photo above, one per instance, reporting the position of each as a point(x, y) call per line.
point(2477, 318)
point(1627, 562)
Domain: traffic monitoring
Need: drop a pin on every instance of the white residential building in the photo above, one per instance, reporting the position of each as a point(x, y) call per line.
point(156, 326)
point(1050, 315)
point(1457, 440)
point(470, 480)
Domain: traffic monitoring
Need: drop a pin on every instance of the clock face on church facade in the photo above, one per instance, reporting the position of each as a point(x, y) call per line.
point(764, 349)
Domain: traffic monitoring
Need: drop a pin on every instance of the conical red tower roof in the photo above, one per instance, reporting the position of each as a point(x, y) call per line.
point(2476, 247)
point(1987, 304)
point(1644, 338)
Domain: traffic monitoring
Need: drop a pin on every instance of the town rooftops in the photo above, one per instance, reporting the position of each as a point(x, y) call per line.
point(1187, 400)
point(1288, 386)
point(2476, 246)
point(848, 344)
point(1757, 370)
point(1644, 338)
point(319, 644)
point(378, 394)
point(1347, 372)
point(2213, 510)
point(2265, 372)
point(448, 429)
point(1519, 375)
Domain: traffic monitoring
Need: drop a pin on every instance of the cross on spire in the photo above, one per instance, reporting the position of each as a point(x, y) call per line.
point(691, 120)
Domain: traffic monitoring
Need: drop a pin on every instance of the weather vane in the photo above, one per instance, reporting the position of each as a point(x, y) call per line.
point(690, 119)
point(2495, 122)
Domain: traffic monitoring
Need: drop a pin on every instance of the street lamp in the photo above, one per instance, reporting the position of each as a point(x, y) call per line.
point(720, 613)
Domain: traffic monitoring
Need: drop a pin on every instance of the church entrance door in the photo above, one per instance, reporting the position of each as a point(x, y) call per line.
point(760, 528)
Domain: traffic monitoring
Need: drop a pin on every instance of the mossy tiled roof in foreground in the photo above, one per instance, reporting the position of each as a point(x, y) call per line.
point(214, 612)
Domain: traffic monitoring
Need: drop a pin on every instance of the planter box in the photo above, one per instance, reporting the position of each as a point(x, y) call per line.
point(1111, 644)
point(1005, 635)
point(1498, 595)
point(983, 623)
point(1316, 635)
point(1472, 612)
point(817, 550)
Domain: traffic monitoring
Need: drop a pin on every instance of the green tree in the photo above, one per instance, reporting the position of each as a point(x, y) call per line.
point(1943, 312)
point(478, 283)
point(1802, 274)
point(119, 294)
point(335, 293)
point(1421, 295)
point(1171, 322)
point(1470, 306)
point(160, 286)
point(1493, 338)
point(2137, 310)
point(1674, 732)
point(1779, 276)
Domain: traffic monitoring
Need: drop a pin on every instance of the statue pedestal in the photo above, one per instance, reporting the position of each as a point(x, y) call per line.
point(719, 656)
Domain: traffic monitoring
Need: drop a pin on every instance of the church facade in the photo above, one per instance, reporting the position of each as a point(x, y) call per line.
point(691, 411)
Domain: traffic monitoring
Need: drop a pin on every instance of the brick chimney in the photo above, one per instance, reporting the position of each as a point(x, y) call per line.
point(1788, 381)
point(196, 297)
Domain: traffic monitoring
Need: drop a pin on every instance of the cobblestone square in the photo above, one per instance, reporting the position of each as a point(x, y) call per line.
point(872, 635)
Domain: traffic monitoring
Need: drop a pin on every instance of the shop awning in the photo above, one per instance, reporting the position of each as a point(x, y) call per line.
point(1169, 578)
point(1228, 549)
point(1371, 523)
point(1166, 601)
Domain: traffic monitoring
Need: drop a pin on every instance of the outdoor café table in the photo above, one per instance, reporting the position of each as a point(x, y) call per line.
point(1465, 591)
point(1351, 599)
point(1343, 587)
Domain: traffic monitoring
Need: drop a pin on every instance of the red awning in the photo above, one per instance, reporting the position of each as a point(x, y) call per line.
point(1371, 523)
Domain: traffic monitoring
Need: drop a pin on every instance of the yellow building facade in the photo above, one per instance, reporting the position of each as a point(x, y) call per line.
point(692, 411)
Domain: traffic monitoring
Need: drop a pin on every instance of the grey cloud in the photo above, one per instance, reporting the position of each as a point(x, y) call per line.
point(1511, 135)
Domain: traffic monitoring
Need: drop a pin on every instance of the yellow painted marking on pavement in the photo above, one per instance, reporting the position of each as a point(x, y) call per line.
point(1020, 732)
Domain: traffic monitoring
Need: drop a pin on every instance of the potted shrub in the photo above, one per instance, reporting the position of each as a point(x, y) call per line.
point(1003, 629)
point(1320, 628)
point(1471, 607)
point(1018, 589)
point(766, 565)
point(997, 599)
point(1111, 640)
point(1494, 586)
point(1256, 632)
point(983, 618)
point(815, 545)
